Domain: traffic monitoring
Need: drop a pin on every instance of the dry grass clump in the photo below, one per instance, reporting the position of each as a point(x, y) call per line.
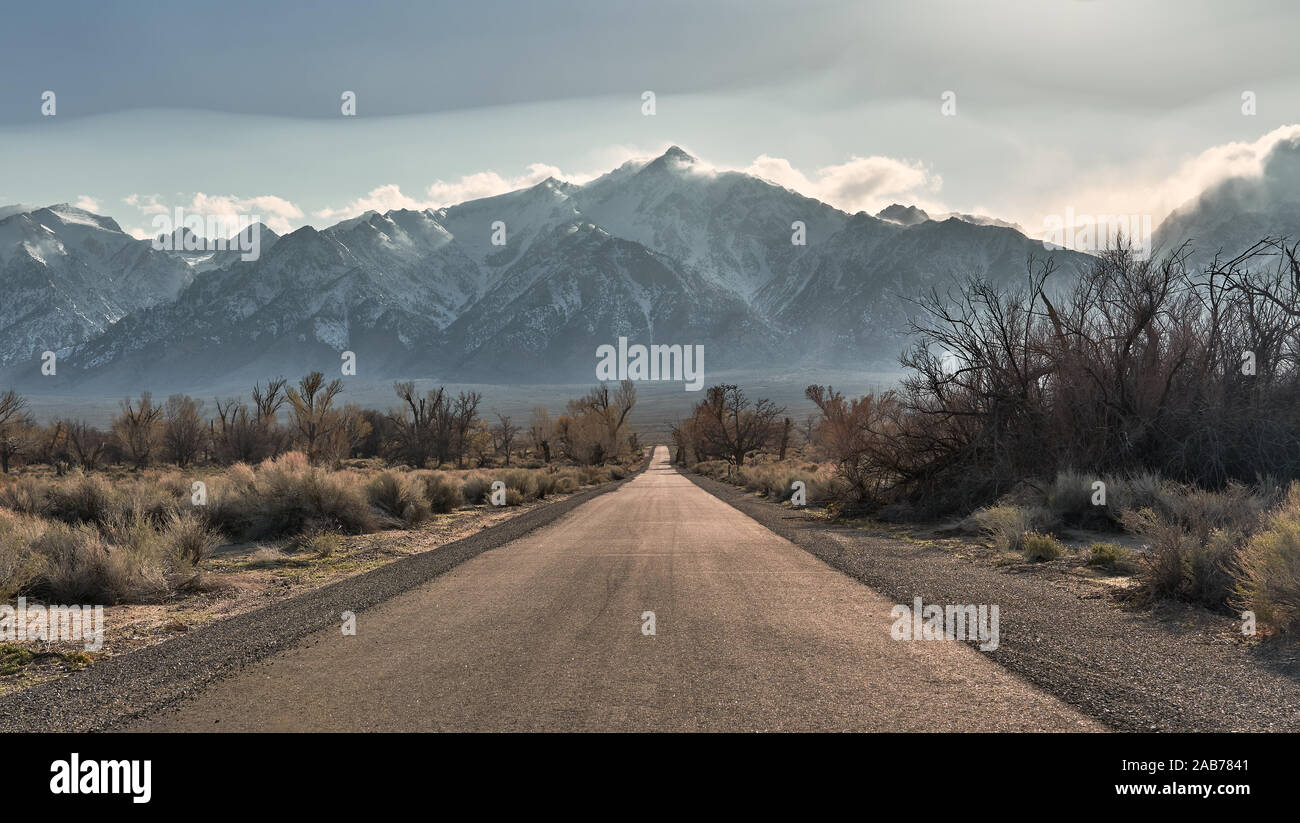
point(1040, 547)
point(442, 492)
point(1007, 526)
point(774, 479)
point(287, 495)
point(1268, 567)
point(1193, 543)
point(400, 496)
point(1111, 556)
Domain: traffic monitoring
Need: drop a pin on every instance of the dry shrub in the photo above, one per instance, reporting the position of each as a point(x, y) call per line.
point(1269, 567)
point(86, 499)
point(187, 540)
point(1193, 546)
point(1040, 547)
point(1111, 556)
point(545, 482)
point(319, 541)
point(19, 564)
point(566, 481)
point(399, 496)
point(521, 480)
point(241, 476)
point(476, 486)
point(443, 492)
point(81, 567)
point(1005, 525)
point(28, 495)
point(288, 494)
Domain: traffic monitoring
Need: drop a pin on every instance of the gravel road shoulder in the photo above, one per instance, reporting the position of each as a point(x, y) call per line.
point(1125, 668)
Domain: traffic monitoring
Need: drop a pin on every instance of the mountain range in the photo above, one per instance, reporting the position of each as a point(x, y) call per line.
point(659, 251)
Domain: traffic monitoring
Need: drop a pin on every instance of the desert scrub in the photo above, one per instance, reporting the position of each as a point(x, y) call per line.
point(476, 486)
point(19, 563)
point(1110, 556)
point(520, 480)
point(13, 658)
point(87, 499)
point(81, 566)
point(443, 493)
point(287, 495)
point(1040, 547)
point(187, 540)
point(1193, 545)
point(26, 495)
point(1268, 567)
point(1005, 525)
point(318, 542)
point(400, 496)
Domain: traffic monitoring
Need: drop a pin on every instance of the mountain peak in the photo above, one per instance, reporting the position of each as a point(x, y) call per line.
point(903, 215)
point(673, 159)
point(676, 152)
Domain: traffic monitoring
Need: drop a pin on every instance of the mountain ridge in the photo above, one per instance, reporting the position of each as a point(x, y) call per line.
point(522, 285)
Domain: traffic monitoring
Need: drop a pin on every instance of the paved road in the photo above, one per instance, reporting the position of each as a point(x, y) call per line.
point(545, 633)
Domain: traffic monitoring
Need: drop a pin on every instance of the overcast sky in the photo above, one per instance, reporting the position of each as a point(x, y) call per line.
point(1100, 107)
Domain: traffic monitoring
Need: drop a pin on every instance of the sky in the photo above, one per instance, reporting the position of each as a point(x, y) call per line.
point(1090, 106)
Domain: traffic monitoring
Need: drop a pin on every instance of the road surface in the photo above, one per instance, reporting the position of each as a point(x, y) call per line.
point(546, 634)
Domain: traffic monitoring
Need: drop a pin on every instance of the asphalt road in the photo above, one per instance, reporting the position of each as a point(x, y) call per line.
point(546, 633)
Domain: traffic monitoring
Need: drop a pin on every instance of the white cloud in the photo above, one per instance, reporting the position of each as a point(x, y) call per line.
point(228, 212)
point(859, 184)
point(442, 193)
point(1123, 192)
point(88, 203)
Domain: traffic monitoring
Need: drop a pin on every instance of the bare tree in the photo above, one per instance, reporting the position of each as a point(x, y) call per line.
point(312, 413)
point(464, 416)
point(86, 444)
point(541, 429)
point(15, 426)
point(137, 429)
point(422, 426)
point(503, 436)
point(183, 430)
point(732, 425)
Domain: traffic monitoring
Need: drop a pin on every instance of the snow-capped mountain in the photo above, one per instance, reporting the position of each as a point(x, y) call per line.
point(732, 228)
point(201, 255)
point(520, 287)
point(68, 275)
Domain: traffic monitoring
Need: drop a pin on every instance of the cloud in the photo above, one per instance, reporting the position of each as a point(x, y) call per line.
point(1123, 193)
point(226, 213)
point(88, 203)
point(859, 184)
point(442, 193)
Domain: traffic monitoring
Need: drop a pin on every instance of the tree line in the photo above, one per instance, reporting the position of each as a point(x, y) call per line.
point(430, 429)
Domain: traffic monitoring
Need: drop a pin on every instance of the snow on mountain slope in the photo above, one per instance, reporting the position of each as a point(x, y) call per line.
point(734, 229)
point(67, 275)
point(663, 251)
point(580, 287)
